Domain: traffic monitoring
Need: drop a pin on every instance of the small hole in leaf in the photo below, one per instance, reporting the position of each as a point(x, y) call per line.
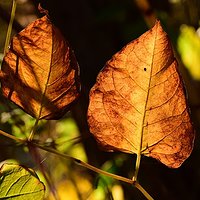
point(145, 69)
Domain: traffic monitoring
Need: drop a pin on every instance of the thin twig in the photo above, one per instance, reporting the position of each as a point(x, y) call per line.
point(97, 170)
point(37, 158)
point(33, 130)
point(84, 164)
point(12, 137)
point(14, 5)
point(81, 163)
point(143, 191)
point(137, 167)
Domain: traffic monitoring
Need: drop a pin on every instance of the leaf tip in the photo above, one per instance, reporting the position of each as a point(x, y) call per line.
point(42, 10)
point(158, 27)
point(157, 23)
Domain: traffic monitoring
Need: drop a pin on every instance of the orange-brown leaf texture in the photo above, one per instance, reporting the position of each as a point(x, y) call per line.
point(138, 102)
point(41, 74)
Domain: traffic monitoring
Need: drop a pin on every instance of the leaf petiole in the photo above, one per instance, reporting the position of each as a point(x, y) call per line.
point(33, 130)
point(137, 167)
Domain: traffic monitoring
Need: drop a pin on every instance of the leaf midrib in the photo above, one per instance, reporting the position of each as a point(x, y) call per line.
point(147, 97)
point(47, 80)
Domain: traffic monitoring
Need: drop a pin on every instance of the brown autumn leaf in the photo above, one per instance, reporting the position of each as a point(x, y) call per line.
point(138, 103)
point(41, 74)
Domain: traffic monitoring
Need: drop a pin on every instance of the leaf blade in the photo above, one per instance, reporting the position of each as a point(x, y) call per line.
point(17, 182)
point(44, 70)
point(136, 99)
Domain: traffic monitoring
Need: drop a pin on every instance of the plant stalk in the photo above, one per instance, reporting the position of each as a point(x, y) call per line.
point(137, 167)
point(9, 31)
point(81, 163)
point(37, 158)
point(11, 137)
point(84, 164)
point(143, 191)
point(33, 130)
point(97, 170)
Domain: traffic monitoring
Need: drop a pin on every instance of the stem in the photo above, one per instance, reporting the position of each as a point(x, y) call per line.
point(84, 164)
point(37, 158)
point(11, 137)
point(143, 191)
point(88, 166)
point(33, 130)
point(10, 26)
point(137, 166)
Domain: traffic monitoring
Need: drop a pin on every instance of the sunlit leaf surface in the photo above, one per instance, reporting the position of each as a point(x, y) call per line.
point(19, 183)
point(40, 71)
point(138, 103)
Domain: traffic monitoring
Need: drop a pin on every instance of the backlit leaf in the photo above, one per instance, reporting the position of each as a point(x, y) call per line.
point(41, 74)
point(138, 102)
point(17, 182)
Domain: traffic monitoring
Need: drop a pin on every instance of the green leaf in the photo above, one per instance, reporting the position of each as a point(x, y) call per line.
point(18, 182)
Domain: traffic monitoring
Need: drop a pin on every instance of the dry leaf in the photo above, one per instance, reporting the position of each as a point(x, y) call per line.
point(42, 74)
point(138, 102)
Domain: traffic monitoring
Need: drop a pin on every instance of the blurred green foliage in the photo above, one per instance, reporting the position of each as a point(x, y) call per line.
point(68, 139)
point(189, 49)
